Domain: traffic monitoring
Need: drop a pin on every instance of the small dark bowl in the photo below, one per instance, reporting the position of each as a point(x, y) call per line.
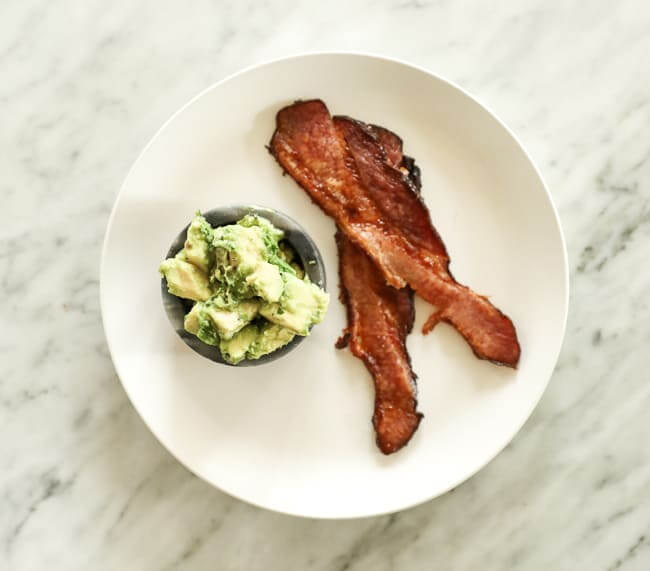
point(295, 234)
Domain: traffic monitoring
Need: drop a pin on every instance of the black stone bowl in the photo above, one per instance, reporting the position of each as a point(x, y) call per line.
point(295, 234)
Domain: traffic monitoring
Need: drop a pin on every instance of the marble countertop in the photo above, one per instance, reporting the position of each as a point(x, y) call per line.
point(84, 484)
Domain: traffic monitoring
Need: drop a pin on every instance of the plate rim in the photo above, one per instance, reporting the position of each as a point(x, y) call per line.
point(377, 57)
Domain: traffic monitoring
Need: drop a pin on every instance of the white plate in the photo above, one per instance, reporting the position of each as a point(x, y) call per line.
point(295, 435)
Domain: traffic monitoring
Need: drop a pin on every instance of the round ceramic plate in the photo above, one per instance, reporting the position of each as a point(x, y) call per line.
point(295, 435)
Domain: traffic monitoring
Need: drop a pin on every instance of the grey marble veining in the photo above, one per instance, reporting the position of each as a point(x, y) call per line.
point(83, 483)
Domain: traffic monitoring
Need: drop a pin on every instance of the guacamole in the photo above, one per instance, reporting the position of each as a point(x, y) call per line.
point(251, 295)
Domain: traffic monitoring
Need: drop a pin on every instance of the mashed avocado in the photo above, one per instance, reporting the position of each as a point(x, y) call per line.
point(251, 293)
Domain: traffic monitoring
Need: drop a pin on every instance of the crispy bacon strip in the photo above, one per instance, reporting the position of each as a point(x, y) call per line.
point(391, 143)
point(379, 319)
point(327, 165)
point(378, 157)
point(393, 148)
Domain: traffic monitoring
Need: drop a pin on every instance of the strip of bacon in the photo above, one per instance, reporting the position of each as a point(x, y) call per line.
point(379, 319)
point(378, 157)
point(326, 164)
point(393, 148)
point(391, 143)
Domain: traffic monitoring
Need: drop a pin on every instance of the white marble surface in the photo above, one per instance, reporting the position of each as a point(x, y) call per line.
point(84, 85)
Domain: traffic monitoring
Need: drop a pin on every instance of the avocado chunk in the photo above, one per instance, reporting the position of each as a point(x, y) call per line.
point(238, 252)
point(185, 280)
point(238, 248)
point(266, 281)
point(198, 248)
point(191, 321)
point(234, 350)
point(271, 233)
point(207, 331)
point(300, 273)
point(286, 252)
point(301, 305)
point(271, 337)
point(227, 321)
point(276, 251)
